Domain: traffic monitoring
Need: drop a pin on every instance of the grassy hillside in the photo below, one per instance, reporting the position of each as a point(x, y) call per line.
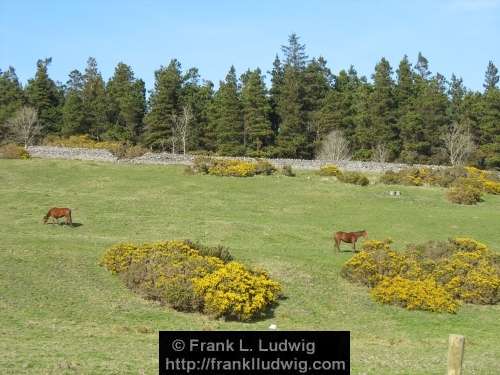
point(62, 313)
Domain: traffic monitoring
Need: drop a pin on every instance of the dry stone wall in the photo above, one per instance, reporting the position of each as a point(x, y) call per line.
point(49, 152)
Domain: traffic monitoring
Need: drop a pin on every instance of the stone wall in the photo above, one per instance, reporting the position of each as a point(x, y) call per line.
point(49, 152)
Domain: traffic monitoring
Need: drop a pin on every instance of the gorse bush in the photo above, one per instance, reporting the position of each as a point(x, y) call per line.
point(461, 269)
point(189, 276)
point(414, 294)
point(13, 151)
point(231, 168)
point(355, 178)
point(446, 177)
point(329, 170)
point(287, 170)
point(464, 192)
point(236, 292)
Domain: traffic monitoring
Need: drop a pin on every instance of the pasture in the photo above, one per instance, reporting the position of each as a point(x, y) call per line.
point(60, 313)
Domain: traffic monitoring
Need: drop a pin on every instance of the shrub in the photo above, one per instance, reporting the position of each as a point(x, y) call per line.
point(414, 294)
point(390, 178)
point(232, 168)
point(201, 163)
point(471, 273)
point(463, 268)
point(377, 260)
point(13, 151)
point(219, 251)
point(79, 141)
point(353, 178)
point(127, 151)
point(264, 167)
point(234, 291)
point(329, 170)
point(464, 192)
point(286, 170)
point(189, 276)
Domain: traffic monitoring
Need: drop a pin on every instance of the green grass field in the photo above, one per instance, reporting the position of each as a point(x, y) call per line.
point(60, 313)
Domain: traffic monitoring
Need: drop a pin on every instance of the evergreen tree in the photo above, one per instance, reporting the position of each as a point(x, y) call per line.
point(277, 76)
point(256, 113)
point(456, 93)
point(11, 97)
point(163, 103)
point(294, 52)
point(292, 138)
point(382, 107)
point(127, 104)
point(422, 67)
point(94, 100)
point(73, 111)
point(227, 114)
point(338, 110)
point(425, 121)
point(491, 77)
point(45, 96)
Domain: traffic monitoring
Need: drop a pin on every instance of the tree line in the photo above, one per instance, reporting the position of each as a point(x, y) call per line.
point(398, 115)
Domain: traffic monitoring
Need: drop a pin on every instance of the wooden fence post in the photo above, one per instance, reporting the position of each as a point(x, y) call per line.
point(455, 354)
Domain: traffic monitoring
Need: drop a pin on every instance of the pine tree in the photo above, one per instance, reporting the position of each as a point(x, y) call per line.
point(94, 100)
point(256, 113)
point(127, 104)
point(382, 111)
point(338, 110)
point(292, 138)
point(425, 121)
point(456, 93)
point(45, 96)
point(11, 97)
point(277, 76)
point(491, 77)
point(422, 66)
point(163, 103)
point(294, 52)
point(73, 111)
point(227, 114)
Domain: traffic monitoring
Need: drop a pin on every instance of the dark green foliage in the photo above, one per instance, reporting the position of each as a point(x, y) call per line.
point(11, 97)
point(94, 101)
point(402, 116)
point(227, 117)
point(163, 103)
point(46, 97)
point(127, 104)
point(257, 130)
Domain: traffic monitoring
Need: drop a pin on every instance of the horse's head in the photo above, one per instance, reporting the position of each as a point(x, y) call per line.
point(364, 233)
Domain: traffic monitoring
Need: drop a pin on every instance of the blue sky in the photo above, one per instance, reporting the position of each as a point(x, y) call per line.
point(457, 36)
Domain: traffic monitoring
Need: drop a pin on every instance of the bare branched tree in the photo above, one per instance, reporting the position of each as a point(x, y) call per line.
point(380, 153)
point(459, 144)
point(334, 147)
point(180, 127)
point(183, 129)
point(24, 126)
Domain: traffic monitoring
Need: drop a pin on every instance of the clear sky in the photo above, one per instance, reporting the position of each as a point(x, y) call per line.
point(456, 36)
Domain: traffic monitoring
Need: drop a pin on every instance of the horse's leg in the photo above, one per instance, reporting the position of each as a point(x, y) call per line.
point(354, 245)
point(337, 243)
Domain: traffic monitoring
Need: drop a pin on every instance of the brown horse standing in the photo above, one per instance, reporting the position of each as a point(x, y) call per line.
point(57, 213)
point(349, 237)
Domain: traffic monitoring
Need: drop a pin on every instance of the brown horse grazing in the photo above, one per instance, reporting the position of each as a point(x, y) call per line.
point(57, 213)
point(349, 237)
